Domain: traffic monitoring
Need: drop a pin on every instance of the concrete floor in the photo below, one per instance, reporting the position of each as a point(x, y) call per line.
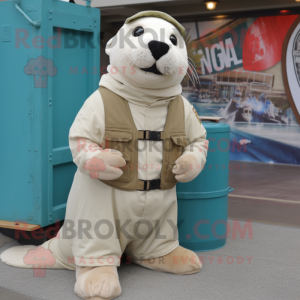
point(272, 196)
point(4, 293)
point(265, 193)
point(8, 295)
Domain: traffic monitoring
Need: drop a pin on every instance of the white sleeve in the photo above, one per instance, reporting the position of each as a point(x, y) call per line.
point(87, 131)
point(195, 134)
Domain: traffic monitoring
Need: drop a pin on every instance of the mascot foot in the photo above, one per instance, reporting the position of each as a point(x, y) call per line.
point(99, 283)
point(179, 261)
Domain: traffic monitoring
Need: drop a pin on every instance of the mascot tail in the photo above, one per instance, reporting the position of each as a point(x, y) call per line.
point(34, 257)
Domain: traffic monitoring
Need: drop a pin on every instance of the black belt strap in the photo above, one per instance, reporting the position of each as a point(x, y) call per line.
point(149, 185)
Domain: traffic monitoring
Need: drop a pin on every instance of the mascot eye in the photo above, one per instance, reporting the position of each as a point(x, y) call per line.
point(138, 31)
point(173, 39)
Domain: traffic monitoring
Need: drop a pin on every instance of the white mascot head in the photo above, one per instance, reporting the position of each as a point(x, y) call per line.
point(149, 51)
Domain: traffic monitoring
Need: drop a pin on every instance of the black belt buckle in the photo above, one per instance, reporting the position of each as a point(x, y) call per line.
point(153, 184)
point(154, 135)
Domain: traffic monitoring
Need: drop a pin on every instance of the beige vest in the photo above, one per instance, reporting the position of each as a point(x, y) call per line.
point(121, 134)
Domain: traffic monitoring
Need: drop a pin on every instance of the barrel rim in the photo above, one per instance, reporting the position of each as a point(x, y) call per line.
point(204, 195)
point(216, 127)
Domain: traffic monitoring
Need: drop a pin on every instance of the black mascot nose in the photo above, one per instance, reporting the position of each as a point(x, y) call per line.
point(158, 49)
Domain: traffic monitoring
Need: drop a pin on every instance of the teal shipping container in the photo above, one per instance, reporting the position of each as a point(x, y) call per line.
point(203, 202)
point(50, 64)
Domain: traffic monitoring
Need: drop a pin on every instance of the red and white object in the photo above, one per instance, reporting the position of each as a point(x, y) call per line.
point(264, 41)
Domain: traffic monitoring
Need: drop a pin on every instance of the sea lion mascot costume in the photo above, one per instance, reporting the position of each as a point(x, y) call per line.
point(134, 138)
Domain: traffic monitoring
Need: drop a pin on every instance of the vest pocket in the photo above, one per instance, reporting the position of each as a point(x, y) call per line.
point(179, 140)
point(118, 136)
point(174, 151)
point(177, 144)
point(121, 140)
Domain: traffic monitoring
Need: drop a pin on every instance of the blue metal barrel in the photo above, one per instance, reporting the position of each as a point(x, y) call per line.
point(203, 202)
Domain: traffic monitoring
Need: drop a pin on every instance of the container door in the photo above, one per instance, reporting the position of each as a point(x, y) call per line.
point(76, 66)
point(16, 118)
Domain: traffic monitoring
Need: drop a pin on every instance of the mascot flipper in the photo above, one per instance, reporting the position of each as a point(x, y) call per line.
point(29, 256)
